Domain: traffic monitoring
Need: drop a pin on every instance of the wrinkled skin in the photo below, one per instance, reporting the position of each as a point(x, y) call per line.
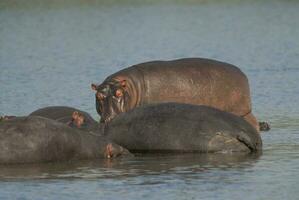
point(36, 139)
point(193, 81)
point(71, 116)
point(173, 127)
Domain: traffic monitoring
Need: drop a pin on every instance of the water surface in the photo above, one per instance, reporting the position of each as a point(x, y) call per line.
point(51, 51)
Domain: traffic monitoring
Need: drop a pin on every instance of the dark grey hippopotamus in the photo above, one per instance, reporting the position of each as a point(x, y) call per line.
point(182, 128)
point(192, 80)
point(71, 116)
point(36, 139)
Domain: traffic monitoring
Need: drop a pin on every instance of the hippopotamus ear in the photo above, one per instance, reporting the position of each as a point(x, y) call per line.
point(75, 115)
point(94, 86)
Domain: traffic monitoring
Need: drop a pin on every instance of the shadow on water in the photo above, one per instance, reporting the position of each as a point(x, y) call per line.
point(147, 164)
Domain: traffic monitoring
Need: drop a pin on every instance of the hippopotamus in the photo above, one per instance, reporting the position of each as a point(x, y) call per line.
point(195, 81)
point(175, 127)
point(34, 139)
point(71, 116)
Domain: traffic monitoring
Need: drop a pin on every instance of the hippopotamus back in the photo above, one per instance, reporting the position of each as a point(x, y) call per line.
point(183, 128)
point(194, 81)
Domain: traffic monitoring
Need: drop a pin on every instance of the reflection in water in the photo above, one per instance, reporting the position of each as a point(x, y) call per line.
point(125, 167)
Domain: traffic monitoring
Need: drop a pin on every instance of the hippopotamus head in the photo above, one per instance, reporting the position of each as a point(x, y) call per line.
point(78, 120)
point(110, 98)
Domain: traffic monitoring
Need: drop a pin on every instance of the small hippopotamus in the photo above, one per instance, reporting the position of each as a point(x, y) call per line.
point(71, 116)
point(35, 139)
point(195, 81)
point(174, 127)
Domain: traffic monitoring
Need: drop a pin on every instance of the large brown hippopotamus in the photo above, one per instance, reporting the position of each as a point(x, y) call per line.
point(195, 81)
point(174, 127)
point(36, 139)
point(68, 115)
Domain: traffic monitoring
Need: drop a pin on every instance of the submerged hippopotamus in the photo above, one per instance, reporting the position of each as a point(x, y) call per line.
point(173, 127)
point(36, 139)
point(192, 80)
point(71, 116)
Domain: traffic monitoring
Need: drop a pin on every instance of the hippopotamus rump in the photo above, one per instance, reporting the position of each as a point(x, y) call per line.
point(173, 127)
point(195, 81)
point(36, 139)
point(71, 116)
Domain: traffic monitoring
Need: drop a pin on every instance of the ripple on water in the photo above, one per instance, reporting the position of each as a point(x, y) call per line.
point(51, 51)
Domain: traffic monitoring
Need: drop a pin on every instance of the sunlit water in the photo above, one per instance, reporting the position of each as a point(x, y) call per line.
point(50, 52)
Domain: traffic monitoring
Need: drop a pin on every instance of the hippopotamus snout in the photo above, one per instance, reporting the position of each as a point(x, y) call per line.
point(108, 110)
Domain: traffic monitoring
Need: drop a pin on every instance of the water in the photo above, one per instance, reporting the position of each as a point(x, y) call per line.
point(51, 51)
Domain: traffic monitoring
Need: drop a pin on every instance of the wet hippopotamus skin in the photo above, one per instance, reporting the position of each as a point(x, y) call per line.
point(195, 81)
point(67, 115)
point(36, 139)
point(173, 127)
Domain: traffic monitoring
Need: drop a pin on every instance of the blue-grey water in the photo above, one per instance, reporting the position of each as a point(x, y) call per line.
point(51, 51)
